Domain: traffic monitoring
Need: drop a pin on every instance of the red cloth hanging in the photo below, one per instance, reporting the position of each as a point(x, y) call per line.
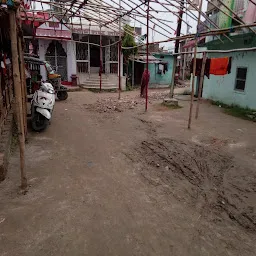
point(144, 82)
point(219, 66)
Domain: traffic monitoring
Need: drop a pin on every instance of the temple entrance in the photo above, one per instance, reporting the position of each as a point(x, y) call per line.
point(57, 57)
point(94, 56)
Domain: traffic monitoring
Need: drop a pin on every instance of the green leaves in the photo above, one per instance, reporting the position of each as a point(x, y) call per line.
point(128, 41)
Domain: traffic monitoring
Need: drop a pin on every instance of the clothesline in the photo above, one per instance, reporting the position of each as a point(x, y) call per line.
point(218, 51)
point(213, 66)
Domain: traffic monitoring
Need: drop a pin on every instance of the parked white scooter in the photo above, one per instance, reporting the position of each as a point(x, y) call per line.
point(42, 106)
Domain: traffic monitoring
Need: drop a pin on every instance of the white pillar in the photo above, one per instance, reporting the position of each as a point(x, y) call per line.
point(71, 59)
point(43, 44)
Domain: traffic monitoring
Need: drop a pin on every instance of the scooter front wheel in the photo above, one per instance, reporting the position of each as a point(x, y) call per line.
point(39, 122)
point(62, 95)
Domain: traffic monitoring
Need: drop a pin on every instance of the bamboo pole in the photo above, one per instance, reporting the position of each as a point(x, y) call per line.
point(119, 55)
point(194, 68)
point(193, 16)
point(134, 8)
point(18, 95)
point(23, 86)
point(201, 84)
point(89, 51)
point(100, 59)
point(222, 51)
point(207, 18)
point(142, 23)
point(147, 81)
point(173, 12)
point(176, 50)
point(252, 2)
point(210, 33)
point(230, 16)
point(237, 18)
point(151, 16)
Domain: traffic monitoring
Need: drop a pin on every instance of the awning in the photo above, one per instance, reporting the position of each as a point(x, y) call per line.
point(192, 42)
point(143, 59)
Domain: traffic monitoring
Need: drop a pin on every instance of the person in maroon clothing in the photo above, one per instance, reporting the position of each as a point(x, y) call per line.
point(144, 82)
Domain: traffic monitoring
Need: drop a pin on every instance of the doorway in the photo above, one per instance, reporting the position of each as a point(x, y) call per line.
point(57, 57)
point(94, 56)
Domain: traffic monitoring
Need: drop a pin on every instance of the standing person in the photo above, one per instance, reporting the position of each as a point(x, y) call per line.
point(144, 82)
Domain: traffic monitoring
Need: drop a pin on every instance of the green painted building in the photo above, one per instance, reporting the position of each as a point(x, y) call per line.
point(238, 87)
point(160, 68)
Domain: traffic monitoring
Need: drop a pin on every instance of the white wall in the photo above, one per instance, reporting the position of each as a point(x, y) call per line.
point(71, 58)
point(70, 50)
point(43, 44)
point(222, 88)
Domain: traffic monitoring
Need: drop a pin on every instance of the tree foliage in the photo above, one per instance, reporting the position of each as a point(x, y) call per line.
point(128, 41)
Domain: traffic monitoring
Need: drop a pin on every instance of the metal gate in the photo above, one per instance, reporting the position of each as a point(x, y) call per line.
point(57, 57)
point(111, 57)
point(82, 57)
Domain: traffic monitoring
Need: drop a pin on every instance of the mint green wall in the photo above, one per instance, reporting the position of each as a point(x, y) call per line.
point(164, 79)
point(222, 88)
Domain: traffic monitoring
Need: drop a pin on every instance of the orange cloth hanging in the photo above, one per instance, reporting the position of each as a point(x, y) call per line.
point(219, 66)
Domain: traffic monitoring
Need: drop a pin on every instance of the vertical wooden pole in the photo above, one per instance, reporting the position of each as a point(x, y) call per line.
point(18, 95)
point(176, 49)
point(23, 86)
point(133, 56)
point(147, 69)
point(194, 67)
point(119, 54)
point(201, 84)
point(89, 51)
point(100, 59)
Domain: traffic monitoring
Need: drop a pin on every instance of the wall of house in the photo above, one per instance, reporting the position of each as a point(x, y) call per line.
point(71, 58)
point(70, 50)
point(161, 80)
point(222, 88)
point(43, 44)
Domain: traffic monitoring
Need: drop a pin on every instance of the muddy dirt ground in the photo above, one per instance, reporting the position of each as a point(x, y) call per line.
point(106, 178)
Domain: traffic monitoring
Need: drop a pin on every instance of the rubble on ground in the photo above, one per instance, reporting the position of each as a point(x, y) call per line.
point(111, 104)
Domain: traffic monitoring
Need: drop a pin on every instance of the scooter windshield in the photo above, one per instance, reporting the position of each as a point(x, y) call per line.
point(49, 68)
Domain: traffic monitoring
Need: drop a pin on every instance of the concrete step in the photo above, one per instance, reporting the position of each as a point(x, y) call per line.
point(113, 87)
point(98, 85)
point(98, 77)
point(97, 80)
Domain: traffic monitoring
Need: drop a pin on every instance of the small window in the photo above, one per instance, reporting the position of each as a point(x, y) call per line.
point(240, 78)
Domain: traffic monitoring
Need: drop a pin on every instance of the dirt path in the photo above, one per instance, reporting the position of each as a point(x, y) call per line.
point(108, 179)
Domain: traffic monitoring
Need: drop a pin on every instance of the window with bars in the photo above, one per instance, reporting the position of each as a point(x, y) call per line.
point(240, 82)
point(81, 51)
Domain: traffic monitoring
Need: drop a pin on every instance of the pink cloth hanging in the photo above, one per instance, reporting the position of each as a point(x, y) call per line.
point(250, 14)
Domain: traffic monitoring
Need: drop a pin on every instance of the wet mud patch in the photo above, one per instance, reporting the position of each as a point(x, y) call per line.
point(205, 178)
